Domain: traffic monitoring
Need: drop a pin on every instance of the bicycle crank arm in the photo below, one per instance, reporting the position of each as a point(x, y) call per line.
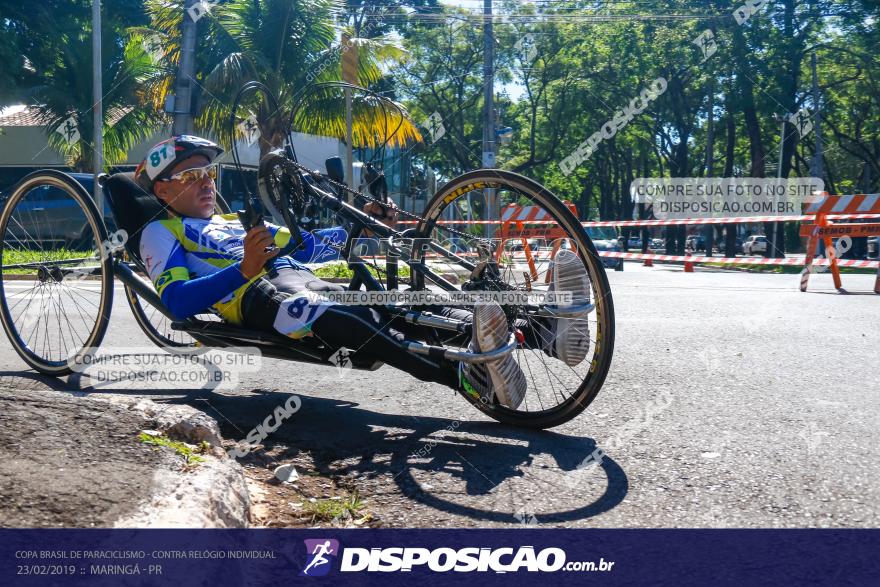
point(468, 357)
point(563, 311)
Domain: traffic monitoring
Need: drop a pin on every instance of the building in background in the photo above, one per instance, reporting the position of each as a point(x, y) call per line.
point(24, 148)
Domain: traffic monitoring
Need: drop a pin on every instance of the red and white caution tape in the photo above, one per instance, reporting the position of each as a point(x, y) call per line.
point(686, 221)
point(797, 260)
point(737, 220)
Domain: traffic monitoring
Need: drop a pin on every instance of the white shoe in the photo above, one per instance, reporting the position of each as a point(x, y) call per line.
point(501, 378)
point(570, 337)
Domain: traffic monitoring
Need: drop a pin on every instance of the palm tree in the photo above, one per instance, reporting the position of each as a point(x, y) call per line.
point(286, 45)
point(58, 57)
point(64, 101)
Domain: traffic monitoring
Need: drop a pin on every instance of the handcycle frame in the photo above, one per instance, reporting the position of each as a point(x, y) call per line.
point(223, 335)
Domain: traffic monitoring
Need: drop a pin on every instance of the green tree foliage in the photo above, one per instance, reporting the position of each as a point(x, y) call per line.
point(572, 66)
point(286, 45)
point(52, 72)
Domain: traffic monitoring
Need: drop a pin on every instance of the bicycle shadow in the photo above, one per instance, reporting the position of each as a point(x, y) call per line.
point(477, 457)
point(31, 380)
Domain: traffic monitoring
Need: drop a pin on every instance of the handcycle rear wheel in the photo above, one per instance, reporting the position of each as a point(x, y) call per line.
point(55, 301)
point(556, 391)
point(157, 327)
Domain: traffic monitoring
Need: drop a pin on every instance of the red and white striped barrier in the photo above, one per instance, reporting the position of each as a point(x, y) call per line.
point(824, 208)
point(851, 204)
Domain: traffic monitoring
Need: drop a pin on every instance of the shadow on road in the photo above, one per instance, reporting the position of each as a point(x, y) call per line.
point(470, 458)
point(346, 439)
point(32, 380)
point(842, 291)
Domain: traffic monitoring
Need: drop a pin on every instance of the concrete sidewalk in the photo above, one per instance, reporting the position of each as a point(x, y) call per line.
point(77, 462)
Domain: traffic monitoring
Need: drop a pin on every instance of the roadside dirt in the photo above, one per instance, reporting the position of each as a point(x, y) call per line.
point(83, 462)
point(311, 500)
point(70, 462)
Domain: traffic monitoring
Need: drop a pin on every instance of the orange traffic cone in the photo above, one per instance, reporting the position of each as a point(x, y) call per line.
point(649, 262)
point(688, 267)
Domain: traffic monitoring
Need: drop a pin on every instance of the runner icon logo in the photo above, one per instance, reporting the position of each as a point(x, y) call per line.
point(319, 553)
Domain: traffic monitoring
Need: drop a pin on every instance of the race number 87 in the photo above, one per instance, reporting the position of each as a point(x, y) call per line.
point(154, 156)
point(296, 309)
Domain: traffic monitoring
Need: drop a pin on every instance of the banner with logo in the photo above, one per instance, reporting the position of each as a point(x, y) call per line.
point(438, 557)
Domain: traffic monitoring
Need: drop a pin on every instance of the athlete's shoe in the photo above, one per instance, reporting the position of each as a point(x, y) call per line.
point(501, 378)
point(569, 338)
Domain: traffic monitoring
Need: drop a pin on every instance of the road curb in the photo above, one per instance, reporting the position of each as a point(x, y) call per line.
point(213, 494)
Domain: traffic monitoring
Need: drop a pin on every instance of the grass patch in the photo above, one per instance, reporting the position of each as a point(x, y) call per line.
point(327, 510)
point(342, 271)
point(184, 450)
point(14, 257)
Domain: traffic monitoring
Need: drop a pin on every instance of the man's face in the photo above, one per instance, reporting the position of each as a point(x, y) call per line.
point(195, 199)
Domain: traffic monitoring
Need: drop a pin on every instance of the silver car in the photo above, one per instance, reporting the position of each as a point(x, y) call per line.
point(755, 244)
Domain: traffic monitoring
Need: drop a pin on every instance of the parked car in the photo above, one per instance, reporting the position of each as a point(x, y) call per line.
point(57, 218)
point(516, 245)
point(874, 247)
point(721, 250)
point(755, 244)
point(695, 242)
point(605, 239)
point(657, 244)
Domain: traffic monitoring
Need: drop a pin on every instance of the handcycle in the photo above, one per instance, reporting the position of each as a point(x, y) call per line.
point(449, 247)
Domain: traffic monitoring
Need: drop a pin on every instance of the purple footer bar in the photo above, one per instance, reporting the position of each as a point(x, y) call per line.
point(438, 557)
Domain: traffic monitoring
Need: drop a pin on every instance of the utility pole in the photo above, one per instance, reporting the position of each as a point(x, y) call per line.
point(710, 130)
point(182, 123)
point(98, 106)
point(349, 75)
point(772, 228)
point(708, 229)
point(489, 111)
point(816, 165)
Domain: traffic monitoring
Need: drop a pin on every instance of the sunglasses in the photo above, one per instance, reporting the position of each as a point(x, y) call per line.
point(194, 174)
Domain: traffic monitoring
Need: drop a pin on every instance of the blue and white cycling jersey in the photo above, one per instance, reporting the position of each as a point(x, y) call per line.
point(205, 254)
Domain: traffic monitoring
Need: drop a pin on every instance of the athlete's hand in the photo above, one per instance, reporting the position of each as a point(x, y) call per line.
point(256, 243)
point(385, 213)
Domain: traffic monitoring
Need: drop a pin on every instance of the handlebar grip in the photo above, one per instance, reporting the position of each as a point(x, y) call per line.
point(250, 219)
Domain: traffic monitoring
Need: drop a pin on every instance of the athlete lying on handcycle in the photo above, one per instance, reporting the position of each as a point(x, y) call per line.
point(201, 261)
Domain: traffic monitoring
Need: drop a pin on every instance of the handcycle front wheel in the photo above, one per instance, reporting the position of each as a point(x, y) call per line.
point(535, 227)
point(55, 299)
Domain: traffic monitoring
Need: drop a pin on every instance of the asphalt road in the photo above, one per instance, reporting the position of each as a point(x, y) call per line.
point(733, 400)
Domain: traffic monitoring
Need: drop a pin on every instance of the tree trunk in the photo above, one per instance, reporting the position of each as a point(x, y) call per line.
point(729, 152)
point(747, 100)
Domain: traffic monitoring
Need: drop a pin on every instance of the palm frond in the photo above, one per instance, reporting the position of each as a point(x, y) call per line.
point(375, 121)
